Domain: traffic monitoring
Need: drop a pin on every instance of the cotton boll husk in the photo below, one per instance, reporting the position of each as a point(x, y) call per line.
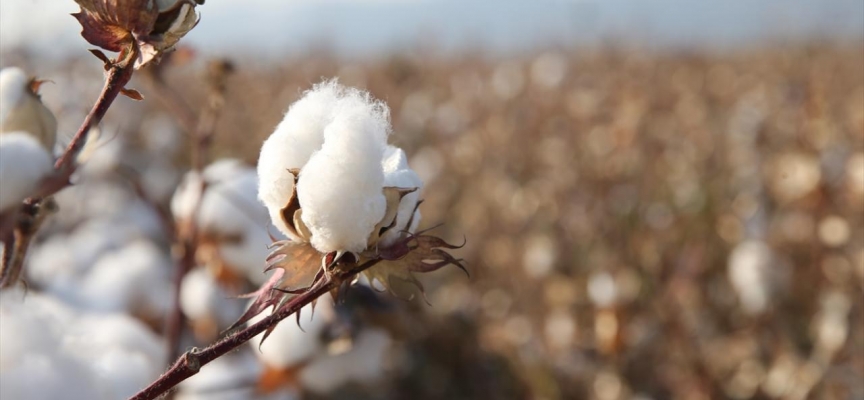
point(21, 109)
point(201, 297)
point(340, 188)
point(288, 345)
point(23, 164)
point(134, 278)
point(364, 363)
point(300, 134)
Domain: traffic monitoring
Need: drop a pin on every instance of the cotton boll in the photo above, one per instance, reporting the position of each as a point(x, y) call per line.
point(21, 109)
point(364, 363)
point(288, 345)
point(340, 188)
point(23, 164)
point(300, 134)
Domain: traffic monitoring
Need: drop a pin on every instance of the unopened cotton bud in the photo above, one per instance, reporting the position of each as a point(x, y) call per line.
point(23, 164)
point(21, 110)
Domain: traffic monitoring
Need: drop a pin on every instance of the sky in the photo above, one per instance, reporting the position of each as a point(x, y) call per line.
point(364, 27)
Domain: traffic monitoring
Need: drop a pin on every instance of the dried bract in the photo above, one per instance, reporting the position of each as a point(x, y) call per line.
point(144, 28)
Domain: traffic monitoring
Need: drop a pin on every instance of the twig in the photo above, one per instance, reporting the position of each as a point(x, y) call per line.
point(202, 135)
point(118, 76)
point(191, 362)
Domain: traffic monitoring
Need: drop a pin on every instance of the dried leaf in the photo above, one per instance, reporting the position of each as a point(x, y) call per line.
point(101, 56)
point(132, 94)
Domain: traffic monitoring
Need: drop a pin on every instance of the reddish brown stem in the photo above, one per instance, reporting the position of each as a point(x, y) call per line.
point(190, 362)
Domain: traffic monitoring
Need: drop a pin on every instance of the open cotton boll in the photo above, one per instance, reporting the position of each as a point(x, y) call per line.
point(23, 164)
point(288, 345)
point(300, 134)
point(365, 364)
point(340, 188)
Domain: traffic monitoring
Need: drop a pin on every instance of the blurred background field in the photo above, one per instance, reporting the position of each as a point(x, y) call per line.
point(642, 220)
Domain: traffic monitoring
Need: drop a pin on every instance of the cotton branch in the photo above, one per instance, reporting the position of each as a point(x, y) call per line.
point(21, 226)
point(191, 362)
point(201, 137)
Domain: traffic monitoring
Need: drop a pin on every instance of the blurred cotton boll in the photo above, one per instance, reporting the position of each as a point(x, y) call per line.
point(756, 275)
point(74, 355)
point(209, 307)
point(231, 223)
point(23, 164)
point(22, 110)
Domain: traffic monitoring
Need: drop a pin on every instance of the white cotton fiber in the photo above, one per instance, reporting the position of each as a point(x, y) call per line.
point(398, 174)
point(22, 110)
point(340, 188)
point(300, 134)
point(337, 137)
point(288, 345)
point(13, 83)
point(23, 164)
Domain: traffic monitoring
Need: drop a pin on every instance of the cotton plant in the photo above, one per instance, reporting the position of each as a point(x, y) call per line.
point(232, 225)
point(342, 196)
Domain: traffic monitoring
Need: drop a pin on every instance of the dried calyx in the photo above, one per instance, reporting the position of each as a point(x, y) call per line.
point(143, 29)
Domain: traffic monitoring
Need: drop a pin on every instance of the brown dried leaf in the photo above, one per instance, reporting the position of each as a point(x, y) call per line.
point(132, 94)
point(111, 24)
